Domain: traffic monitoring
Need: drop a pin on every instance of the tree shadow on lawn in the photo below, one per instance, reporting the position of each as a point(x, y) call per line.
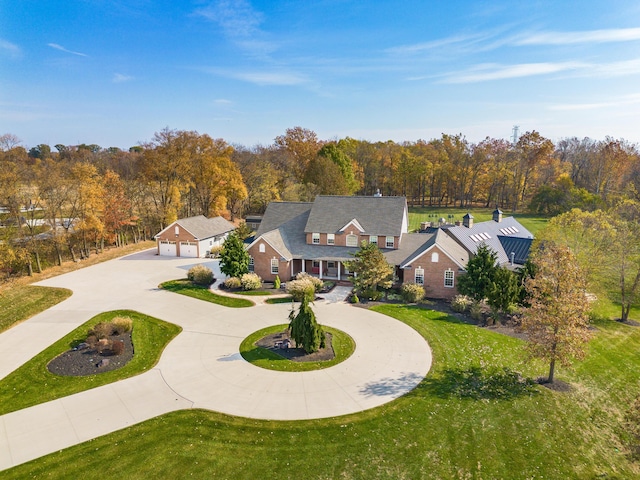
point(479, 384)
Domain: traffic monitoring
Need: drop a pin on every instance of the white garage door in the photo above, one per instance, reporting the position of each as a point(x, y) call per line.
point(168, 248)
point(188, 249)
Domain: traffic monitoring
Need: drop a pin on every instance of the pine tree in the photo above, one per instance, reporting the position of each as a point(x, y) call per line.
point(234, 259)
point(304, 328)
point(481, 271)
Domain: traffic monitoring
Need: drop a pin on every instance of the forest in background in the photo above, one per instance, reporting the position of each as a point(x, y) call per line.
point(65, 201)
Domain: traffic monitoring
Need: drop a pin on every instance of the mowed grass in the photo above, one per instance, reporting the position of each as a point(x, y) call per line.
point(20, 302)
point(190, 289)
point(343, 346)
point(32, 383)
point(533, 223)
point(469, 419)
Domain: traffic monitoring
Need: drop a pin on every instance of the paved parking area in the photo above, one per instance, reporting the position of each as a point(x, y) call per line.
point(201, 367)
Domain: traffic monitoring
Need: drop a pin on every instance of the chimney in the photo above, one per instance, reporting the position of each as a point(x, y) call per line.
point(497, 215)
point(467, 220)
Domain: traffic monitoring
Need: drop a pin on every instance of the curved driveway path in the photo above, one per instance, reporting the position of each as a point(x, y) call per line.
point(201, 367)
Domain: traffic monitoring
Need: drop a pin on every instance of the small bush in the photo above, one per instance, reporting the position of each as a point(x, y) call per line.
point(117, 348)
point(104, 344)
point(355, 299)
point(215, 251)
point(476, 310)
point(372, 294)
point(300, 288)
point(121, 325)
point(412, 292)
point(315, 281)
point(232, 283)
point(461, 303)
point(200, 275)
point(101, 330)
point(250, 281)
point(92, 341)
point(276, 282)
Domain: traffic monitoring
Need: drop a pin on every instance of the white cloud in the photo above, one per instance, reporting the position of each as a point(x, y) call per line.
point(272, 78)
point(613, 103)
point(588, 36)
point(487, 72)
point(62, 49)
point(120, 78)
point(9, 48)
point(222, 101)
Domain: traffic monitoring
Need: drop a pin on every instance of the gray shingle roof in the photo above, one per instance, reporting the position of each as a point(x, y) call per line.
point(488, 233)
point(376, 215)
point(412, 245)
point(202, 227)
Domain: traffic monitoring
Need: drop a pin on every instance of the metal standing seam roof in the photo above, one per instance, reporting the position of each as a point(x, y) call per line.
point(377, 215)
point(488, 233)
point(202, 227)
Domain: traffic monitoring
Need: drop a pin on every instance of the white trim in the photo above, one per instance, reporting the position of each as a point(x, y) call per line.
point(413, 259)
point(331, 238)
point(277, 265)
point(261, 238)
point(351, 235)
point(315, 238)
point(386, 241)
point(453, 278)
point(415, 275)
point(355, 223)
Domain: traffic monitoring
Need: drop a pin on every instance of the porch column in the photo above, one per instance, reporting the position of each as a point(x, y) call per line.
point(320, 271)
point(303, 262)
point(292, 262)
point(339, 263)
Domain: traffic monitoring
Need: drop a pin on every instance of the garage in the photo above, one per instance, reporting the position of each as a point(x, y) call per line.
point(189, 249)
point(167, 248)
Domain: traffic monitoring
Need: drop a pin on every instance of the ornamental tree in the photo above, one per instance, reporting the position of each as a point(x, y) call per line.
point(234, 259)
point(371, 269)
point(477, 283)
point(556, 322)
point(304, 328)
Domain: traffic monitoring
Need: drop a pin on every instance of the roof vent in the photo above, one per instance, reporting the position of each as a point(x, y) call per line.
point(497, 215)
point(467, 220)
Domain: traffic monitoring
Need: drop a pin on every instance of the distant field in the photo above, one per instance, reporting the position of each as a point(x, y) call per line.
point(431, 214)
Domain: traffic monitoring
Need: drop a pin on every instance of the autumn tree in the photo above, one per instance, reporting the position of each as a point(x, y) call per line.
point(234, 258)
point(304, 328)
point(556, 322)
point(371, 270)
point(117, 207)
point(301, 145)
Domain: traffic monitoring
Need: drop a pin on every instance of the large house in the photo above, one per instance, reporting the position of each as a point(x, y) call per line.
point(193, 236)
point(319, 237)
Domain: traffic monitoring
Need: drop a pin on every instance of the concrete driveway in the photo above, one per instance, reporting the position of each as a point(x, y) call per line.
point(201, 367)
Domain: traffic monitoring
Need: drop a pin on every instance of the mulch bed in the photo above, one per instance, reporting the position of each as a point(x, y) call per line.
point(297, 354)
point(79, 363)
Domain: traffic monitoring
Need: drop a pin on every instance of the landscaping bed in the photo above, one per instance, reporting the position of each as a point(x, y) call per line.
point(273, 341)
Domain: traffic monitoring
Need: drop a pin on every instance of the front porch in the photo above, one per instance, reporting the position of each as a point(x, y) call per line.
point(323, 269)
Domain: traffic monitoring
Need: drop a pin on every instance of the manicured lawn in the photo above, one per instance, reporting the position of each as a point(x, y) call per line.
point(343, 347)
point(252, 293)
point(32, 383)
point(273, 301)
point(469, 419)
point(21, 302)
point(190, 289)
point(533, 223)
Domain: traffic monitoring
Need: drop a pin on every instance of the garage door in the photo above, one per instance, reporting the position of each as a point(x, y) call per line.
point(188, 249)
point(168, 248)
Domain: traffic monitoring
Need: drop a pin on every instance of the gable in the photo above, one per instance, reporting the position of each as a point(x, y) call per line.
point(201, 227)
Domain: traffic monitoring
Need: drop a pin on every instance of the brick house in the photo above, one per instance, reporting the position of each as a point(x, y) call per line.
point(193, 236)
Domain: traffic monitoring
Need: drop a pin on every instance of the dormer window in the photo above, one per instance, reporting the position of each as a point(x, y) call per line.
point(331, 238)
point(373, 239)
point(390, 242)
point(315, 238)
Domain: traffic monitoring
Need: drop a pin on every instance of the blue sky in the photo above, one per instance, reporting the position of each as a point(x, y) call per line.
point(115, 72)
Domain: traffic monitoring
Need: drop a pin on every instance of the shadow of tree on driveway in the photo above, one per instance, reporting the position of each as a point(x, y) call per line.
point(392, 386)
point(480, 384)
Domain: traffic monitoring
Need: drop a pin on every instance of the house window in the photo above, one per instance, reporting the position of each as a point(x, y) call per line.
point(390, 242)
point(331, 264)
point(261, 248)
point(210, 242)
point(448, 278)
point(316, 264)
point(435, 257)
point(373, 239)
point(331, 238)
point(419, 276)
point(352, 240)
point(315, 238)
point(177, 230)
point(274, 266)
point(251, 265)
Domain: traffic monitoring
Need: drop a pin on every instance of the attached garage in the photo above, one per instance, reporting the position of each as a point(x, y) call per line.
point(189, 249)
point(167, 248)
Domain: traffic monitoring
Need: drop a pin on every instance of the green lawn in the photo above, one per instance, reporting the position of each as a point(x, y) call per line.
point(469, 419)
point(32, 383)
point(190, 289)
point(343, 347)
point(21, 302)
point(533, 223)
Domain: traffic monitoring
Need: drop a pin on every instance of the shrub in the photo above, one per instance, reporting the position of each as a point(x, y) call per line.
point(315, 281)
point(476, 311)
point(412, 292)
point(276, 282)
point(104, 344)
point(200, 275)
point(92, 341)
point(117, 348)
point(250, 281)
point(461, 303)
point(355, 299)
point(101, 330)
point(232, 283)
point(301, 288)
point(215, 251)
point(372, 294)
point(121, 325)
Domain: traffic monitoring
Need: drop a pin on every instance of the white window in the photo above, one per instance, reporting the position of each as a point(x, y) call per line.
point(251, 265)
point(274, 266)
point(331, 238)
point(390, 242)
point(352, 240)
point(419, 276)
point(177, 230)
point(435, 257)
point(373, 239)
point(331, 264)
point(448, 278)
point(315, 238)
point(261, 248)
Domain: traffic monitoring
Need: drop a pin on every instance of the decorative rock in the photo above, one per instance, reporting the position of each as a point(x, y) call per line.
point(103, 363)
point(82, 346)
